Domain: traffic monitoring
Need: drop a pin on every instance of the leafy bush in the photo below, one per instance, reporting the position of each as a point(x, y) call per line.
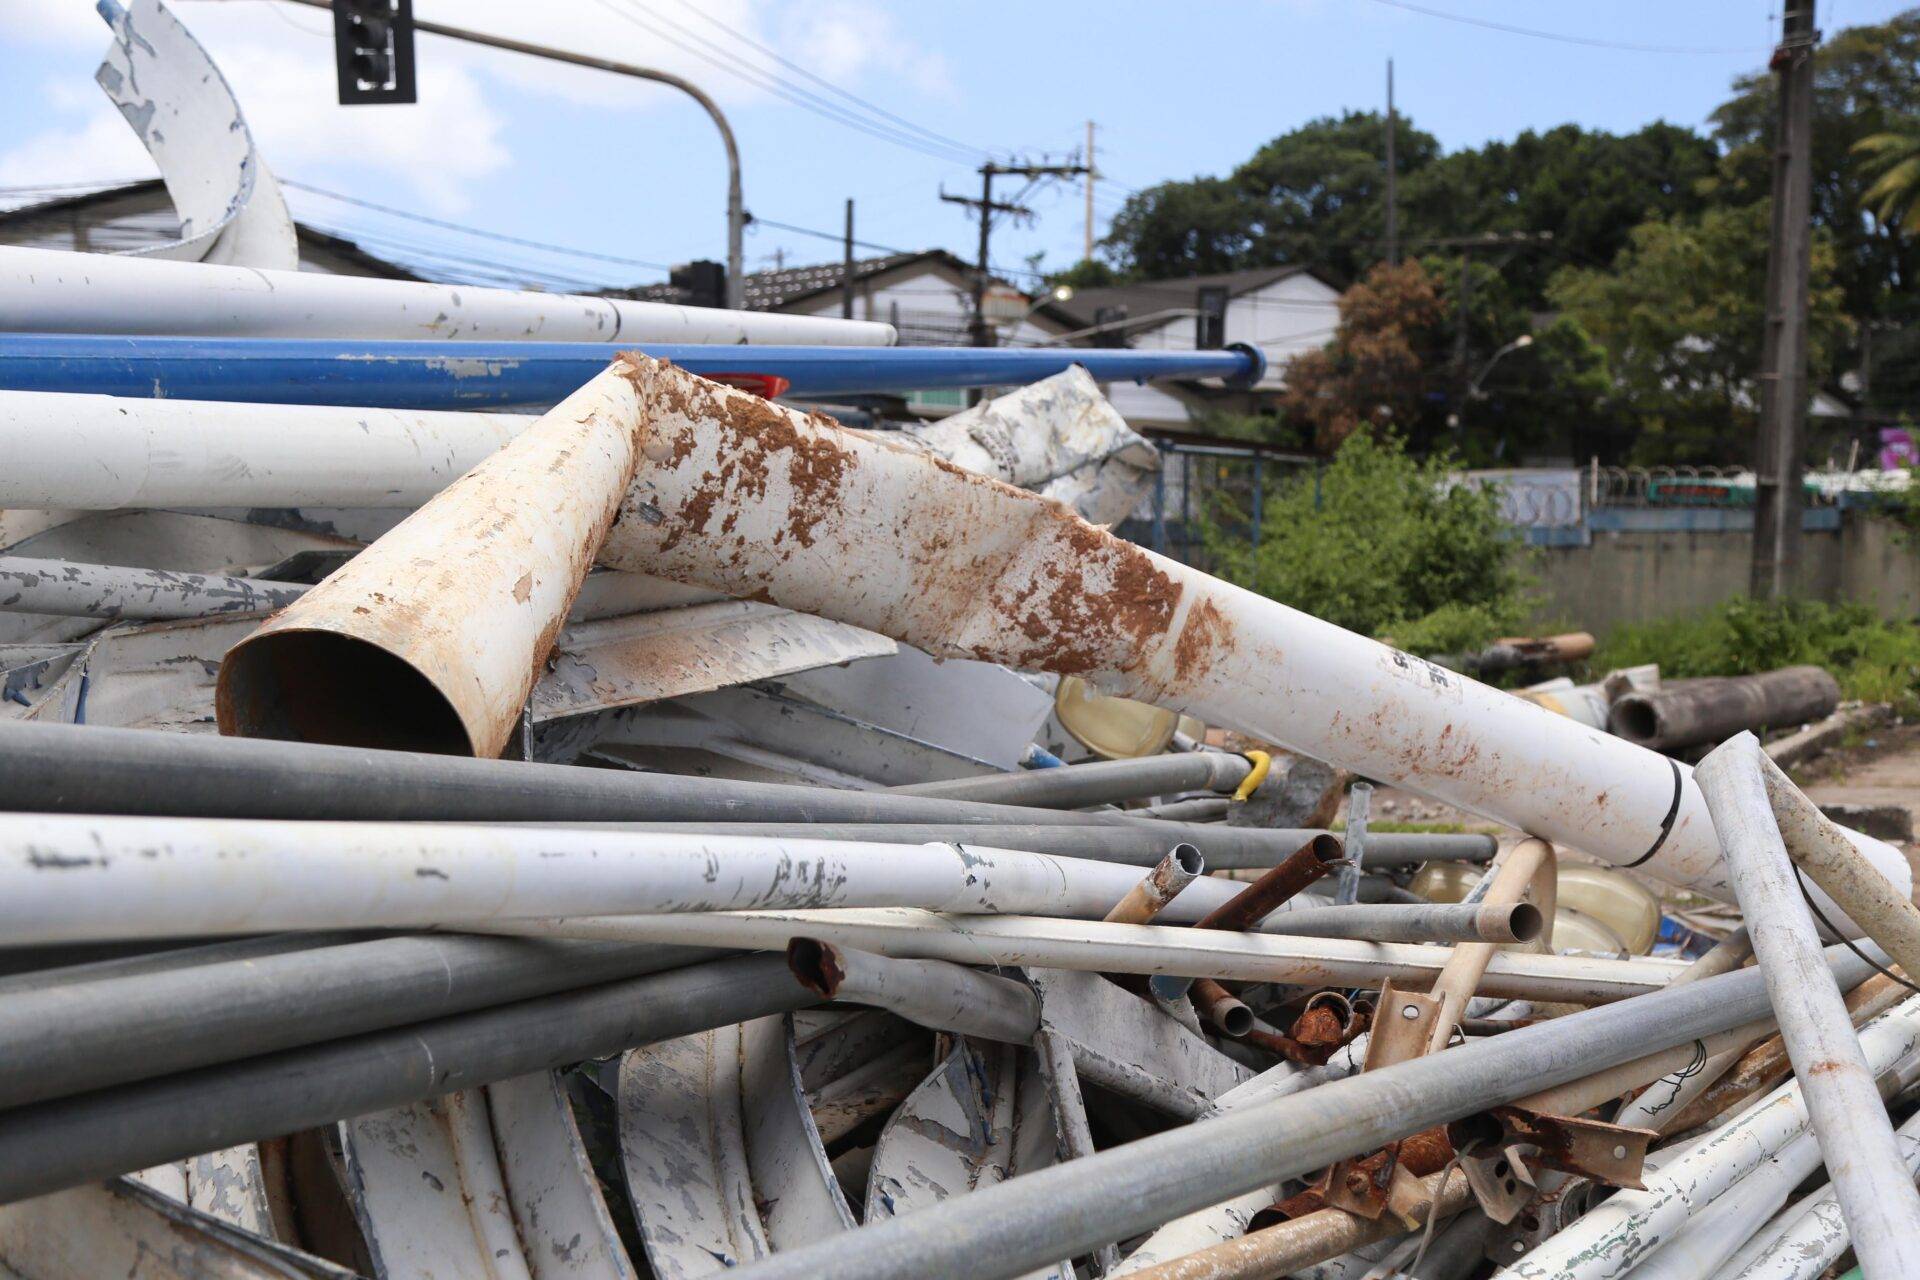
point(1385, 544)
point(1874, 660)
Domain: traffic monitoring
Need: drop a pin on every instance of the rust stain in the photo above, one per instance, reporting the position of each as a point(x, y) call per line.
point(1206, 634)
point(523, 589)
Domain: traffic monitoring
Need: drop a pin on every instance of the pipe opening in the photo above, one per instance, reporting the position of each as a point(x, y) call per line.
point(1328, 848)
point(1235, 1019)
point(315, 686)
point(1635, 720)
point(1525, 922)
point(815, 965)
point(1187, 858)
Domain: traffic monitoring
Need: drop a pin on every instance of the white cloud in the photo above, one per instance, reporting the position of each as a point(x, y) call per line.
point(278, 59)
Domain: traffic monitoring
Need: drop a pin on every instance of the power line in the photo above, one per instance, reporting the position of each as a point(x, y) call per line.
point(473, 231)
point(828, 84)
point(1590, 42)
point(760, 78)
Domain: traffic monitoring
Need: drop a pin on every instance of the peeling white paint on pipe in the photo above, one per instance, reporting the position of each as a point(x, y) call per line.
point(748, 497)
point(52, 291)
point(1856, 1138)
point(1610, 1240)
point(72, 878)
point(67, 589)
point(115, 452)
point(1098, 947)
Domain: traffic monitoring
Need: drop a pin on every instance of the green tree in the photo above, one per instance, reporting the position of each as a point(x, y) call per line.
point(1866, 82)
point(1679, 317)
point(1588, 188)
point(1893, 161)
point(1383, 543)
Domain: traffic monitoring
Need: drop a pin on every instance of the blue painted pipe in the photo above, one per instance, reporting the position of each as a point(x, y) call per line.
point(533, 375)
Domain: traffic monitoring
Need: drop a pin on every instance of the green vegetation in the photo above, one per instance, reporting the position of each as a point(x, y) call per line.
point(1874, 660)
point(1384, 544)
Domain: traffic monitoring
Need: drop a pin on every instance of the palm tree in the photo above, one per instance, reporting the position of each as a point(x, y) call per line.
point(1894, 196)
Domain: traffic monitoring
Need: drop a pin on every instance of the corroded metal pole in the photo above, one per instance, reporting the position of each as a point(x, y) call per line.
point(73, 590)
point(933, 993)
point(754, 499)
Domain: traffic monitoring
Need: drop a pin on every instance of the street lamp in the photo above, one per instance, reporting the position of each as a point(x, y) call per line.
point(1520, 343)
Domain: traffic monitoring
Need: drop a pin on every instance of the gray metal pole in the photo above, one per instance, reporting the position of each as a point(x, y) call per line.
point(72, 590)
point(49, 768)
point(1101, 782)
point(54, 1145)
point(72, 1038)
point(736, 208)
point(933, 993)
point(1856, 1138)
point(1006, 1230)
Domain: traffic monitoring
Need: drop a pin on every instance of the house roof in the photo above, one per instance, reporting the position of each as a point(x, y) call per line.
point(341, 247)
point(1149, 296)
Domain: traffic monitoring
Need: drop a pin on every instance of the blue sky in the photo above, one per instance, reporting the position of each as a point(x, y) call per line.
point(594, 162)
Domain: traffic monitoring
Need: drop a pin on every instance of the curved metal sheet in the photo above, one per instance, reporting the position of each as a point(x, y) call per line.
point(800, 1199)
point(565, 1228)
point(426, 1189)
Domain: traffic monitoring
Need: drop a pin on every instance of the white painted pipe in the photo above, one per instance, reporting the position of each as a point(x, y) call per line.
point(103, 453)
point(1098, 947)
point(73, 878)
point(756, 500)
point(52, 291)
point(1812, 1234)
point(1610, 1240)
point(933, 993)
point(1713, 1234)
point(1856, 1138)
point(67, 589)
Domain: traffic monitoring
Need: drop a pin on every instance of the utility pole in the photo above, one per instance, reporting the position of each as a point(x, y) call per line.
point(1092, 173)
point(986, 206)
point(846, 268)
point(1393, 176)
point(1779, 462)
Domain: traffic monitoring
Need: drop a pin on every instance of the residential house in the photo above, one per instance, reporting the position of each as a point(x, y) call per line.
point(1280, 310)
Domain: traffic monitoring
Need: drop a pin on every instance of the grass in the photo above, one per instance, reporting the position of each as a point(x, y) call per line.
point(1874, 660)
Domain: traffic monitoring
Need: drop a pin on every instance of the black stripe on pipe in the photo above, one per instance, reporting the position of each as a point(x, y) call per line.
point(55, 1145)
point(72, 1038)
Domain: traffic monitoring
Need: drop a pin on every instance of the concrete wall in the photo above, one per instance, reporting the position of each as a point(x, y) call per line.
point(1636, 575)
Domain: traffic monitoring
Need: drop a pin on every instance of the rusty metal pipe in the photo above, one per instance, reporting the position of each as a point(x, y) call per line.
point(1287, 1247)
point(69, 589)
point(933, 993)
point(1220, 1007)
point(1259, 899)
point(433, 636)
point(1099, 782)
point(1180, 868)
point(1006, 1230)
point(1688, 713)
point(64, 1143)
point(756, 500)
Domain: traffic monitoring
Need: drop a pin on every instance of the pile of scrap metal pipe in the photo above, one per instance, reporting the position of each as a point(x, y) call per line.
point(502, 1016)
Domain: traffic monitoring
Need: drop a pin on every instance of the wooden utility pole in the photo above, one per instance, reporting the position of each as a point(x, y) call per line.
point(986, 207)
point(1393, 176)
point(846, 268)
point(1092, 173)
point(1779, 463)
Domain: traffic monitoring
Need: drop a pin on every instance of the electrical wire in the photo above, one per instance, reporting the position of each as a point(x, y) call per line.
point(831, 87)
point(1590, 42)
point(472, 231)
point(707, 51)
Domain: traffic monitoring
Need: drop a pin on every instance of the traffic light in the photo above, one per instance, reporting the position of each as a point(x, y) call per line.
point(373, 50)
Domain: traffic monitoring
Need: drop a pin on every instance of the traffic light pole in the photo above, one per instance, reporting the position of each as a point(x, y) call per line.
point(736, 207)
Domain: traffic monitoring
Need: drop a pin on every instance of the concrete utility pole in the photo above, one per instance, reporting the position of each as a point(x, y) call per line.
point(1779, 463)
point(1393, 176)
point(736, 207)
point(1092, 173)
point(846, 268)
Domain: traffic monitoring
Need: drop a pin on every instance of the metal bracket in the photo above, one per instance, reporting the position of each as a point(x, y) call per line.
point(1608, 1153)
